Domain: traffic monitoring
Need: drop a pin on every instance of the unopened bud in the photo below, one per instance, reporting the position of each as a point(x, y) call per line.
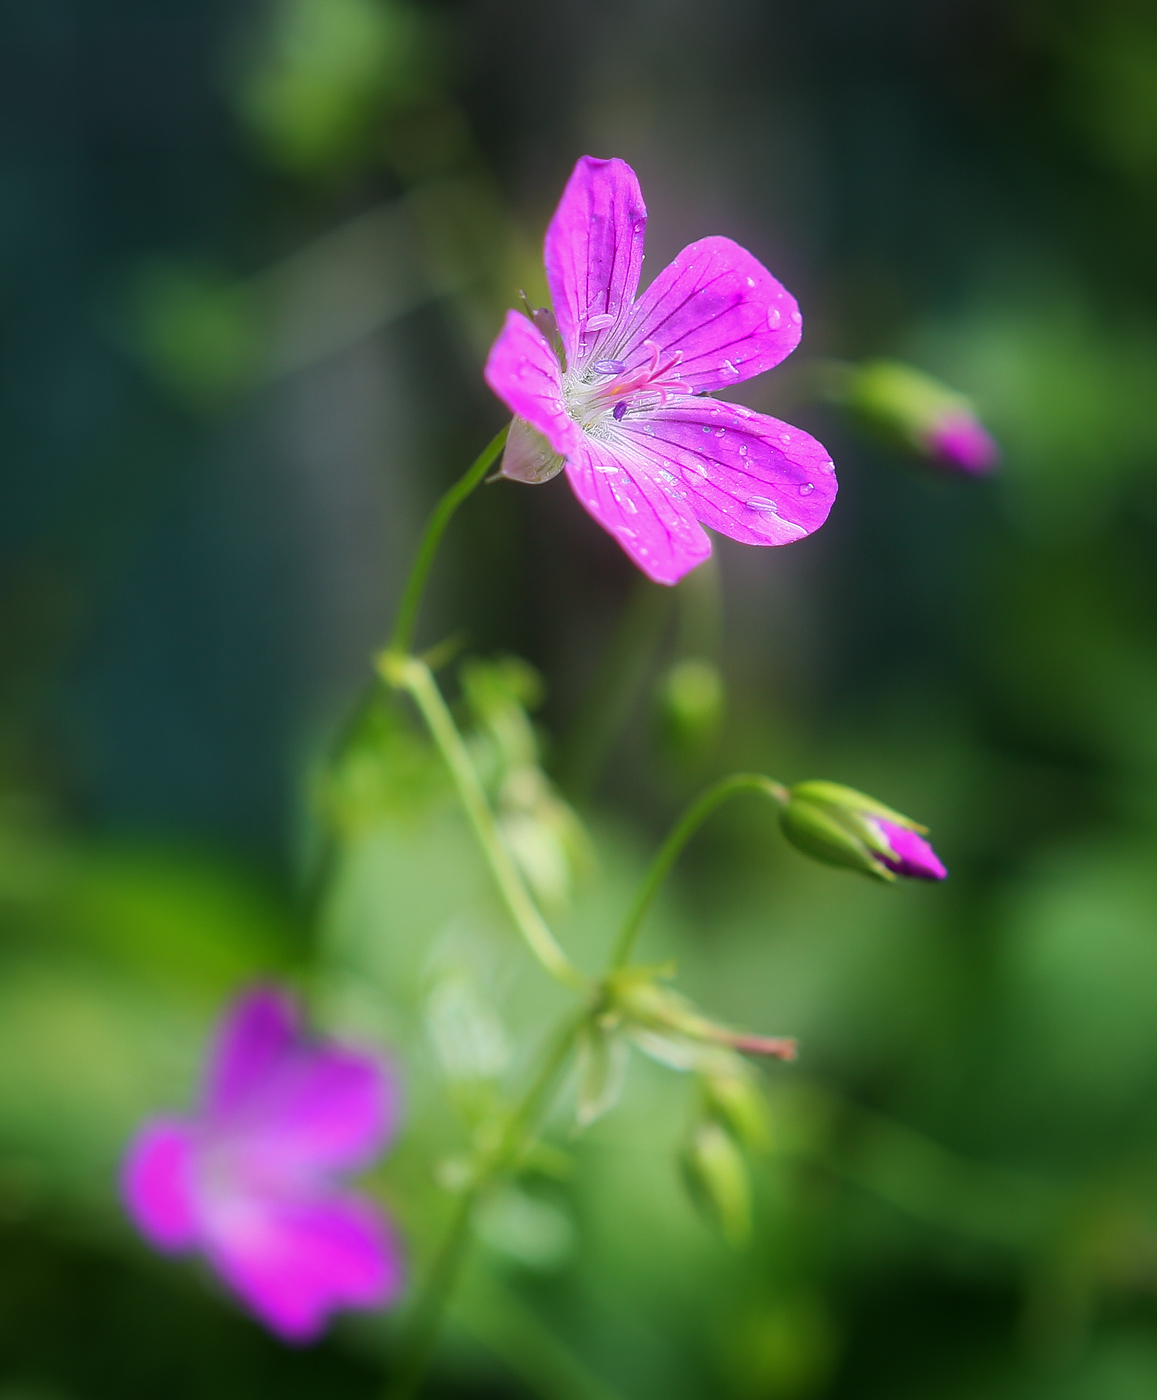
point(920, 413)
point(736, 1100)
point(840, 826)
point(717, 1178)
point(691, 701)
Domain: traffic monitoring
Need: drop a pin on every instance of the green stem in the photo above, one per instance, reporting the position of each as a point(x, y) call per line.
point(669, 852)
point(611, 696)
point(415, 676)
point(425, 1323)
point(403, 637)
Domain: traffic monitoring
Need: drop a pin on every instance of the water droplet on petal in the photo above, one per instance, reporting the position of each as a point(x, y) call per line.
point(743, 449)
point(698, 468)
point(607, 468)
point(797, 318)
point(625, 530)
point(706, 427)
point(807, 488)
point(785, 437)
point(761, 503)
point(720, 431)
point(596, 323)
point(751, 281)
point(773, 318)
point(629, 506)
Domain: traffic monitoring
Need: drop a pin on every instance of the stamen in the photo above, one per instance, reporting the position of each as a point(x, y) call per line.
point(608, 366)
point(619, 410)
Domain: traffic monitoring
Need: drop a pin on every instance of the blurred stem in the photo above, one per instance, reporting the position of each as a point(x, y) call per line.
point(700, 599)
point(684, 829)
point(607, 703)
point(414, 676)
point(421, 1336)
point(403, 638)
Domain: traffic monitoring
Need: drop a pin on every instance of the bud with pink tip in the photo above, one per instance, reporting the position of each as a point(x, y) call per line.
point(919, 413)
point(841, 826)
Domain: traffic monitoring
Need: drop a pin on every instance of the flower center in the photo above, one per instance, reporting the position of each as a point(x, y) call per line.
point(608, 386)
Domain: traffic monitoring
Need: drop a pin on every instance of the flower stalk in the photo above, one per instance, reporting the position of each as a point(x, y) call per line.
point(403, 636)
point(672, 848)
point(414, 676)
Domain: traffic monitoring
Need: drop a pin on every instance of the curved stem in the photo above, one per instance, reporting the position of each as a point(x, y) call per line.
point(426, 1319)
point(407, 618)
point(415, 676)
point(669, 852)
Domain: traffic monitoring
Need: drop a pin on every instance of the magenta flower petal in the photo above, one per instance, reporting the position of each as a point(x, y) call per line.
point(294, 1262)
point(524, 371)
point(750, 477)
point(616, 482)
point(722, 310)
point(328, 1107)
point(594, 255)
point(256, 1037)
point(157, 1184)
point(915, 858)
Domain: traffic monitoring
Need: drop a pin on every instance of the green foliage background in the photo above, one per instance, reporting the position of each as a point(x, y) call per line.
point(252, 259)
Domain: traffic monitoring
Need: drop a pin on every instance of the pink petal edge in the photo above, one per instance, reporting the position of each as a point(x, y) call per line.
point(594, 255)
point(157, 1184)
point(294, 1263)
point(524, 372)
point(741, 473)
point(721, 308)
point(616, 487)
point(255, 1037)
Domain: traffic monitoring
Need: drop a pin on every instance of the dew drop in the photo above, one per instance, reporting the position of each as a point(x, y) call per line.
point(720, 431)
point(797, 318)
point(785, 437)
point(596, 323)
point(751, 281)
point(729, 367)
point(625, 530)
point(743, 449)
point(773, 317)
point(629, 506)
point(607, 468)
point(706, 427)
point(698, 468)
point(760, 503)
point(807, 488)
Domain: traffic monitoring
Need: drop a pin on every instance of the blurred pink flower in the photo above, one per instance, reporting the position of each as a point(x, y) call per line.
point(912, 856)
point(249, 1179)
point(608, 386)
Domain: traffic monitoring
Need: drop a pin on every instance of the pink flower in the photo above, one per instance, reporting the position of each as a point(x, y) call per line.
point(609, 386)
point(248, 1180)
point(911, 855)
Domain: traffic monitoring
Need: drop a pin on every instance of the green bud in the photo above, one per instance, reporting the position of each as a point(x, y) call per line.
point(716, 1176)
point(834, 824)
point(733, 1097)
point(691, 700)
